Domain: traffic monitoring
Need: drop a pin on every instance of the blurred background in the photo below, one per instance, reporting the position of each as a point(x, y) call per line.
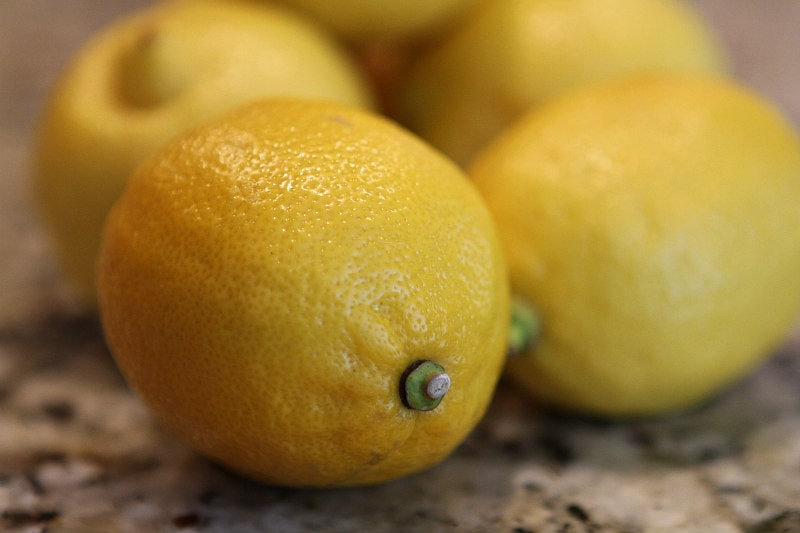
point(38, 37)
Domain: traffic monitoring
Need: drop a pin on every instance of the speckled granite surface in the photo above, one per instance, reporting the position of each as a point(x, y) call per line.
point(78, 453)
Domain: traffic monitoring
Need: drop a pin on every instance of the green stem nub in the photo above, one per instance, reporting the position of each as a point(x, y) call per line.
point(524, 329)
point(423, 385)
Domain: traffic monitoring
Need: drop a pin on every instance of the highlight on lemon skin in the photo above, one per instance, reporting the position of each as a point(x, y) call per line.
point(505, 56)
point(151, 75)
point(653, 222)
point(265, 324)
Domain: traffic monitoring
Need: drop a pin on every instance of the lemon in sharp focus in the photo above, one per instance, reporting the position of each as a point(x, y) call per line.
point(506, 56)
point(152, 75)
point(294, 287)
point(654, 225)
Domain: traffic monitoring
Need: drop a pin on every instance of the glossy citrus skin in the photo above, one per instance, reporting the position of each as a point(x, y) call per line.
point(654, 223)
point(505, 56)
point(265, 281)
point(149, 77)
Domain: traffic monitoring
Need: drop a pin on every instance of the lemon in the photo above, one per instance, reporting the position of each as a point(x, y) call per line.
point(370, 21)
point(506, 56)
point(293, 288)
point(653, 224)
point(149, 77)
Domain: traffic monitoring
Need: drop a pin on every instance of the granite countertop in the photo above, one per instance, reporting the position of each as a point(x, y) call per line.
point(79, 454)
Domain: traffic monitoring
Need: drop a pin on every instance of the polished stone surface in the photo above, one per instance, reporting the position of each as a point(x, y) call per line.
point(79, 454)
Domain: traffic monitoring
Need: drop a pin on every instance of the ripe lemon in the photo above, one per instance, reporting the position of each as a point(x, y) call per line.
point(370, 21)
point(152, 75)
point(269, 283)
point(654, 225)
point(506, 56)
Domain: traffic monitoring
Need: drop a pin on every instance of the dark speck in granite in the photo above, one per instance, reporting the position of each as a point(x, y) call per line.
point(16, 519)
point(578, 512)
point(785, 522)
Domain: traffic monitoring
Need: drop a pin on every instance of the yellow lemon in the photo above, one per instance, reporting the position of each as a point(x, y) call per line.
point(153, 75)
point(293, 288)
point(654, 225)
point(369, 21)
point(506, 56)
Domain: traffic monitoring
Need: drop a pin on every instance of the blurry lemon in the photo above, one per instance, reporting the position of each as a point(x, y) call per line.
point(368, 21)
point(508, 55)
point(654, 224)
point(293, 288)
point(153, 75)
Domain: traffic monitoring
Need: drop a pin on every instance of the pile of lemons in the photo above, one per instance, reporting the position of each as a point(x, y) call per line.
point(318, 233)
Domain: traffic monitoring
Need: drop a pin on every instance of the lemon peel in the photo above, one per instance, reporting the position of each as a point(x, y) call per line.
point(653, 221)
point(154, 68)
point(266, 280)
